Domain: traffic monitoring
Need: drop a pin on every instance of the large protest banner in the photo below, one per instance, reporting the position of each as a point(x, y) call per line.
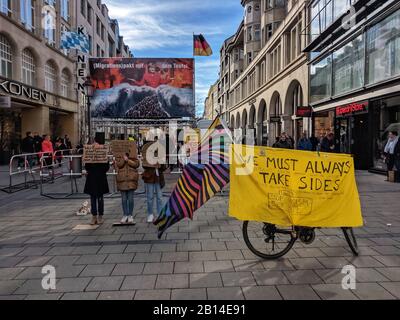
point(142, 88)
point(293, 188)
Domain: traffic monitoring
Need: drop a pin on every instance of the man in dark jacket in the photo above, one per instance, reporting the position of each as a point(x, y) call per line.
point(97, 186)
point(28, 147)
point(328, 143)
point(284, 142)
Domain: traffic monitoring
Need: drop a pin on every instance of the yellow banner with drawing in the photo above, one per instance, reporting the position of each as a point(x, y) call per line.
point(293, 188)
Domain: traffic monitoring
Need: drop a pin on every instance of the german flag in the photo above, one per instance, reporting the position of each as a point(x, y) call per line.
point(201, 46)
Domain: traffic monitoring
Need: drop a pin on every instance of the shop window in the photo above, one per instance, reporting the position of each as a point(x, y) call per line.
point(383, 49)
point(348, 66)
point(5, 57)
point(321, 79)
point(28, 67)
point(386, 118)
point(324, 124)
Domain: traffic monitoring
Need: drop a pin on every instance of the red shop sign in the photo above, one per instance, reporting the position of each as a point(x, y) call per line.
point(304, 112)
point(353, 108)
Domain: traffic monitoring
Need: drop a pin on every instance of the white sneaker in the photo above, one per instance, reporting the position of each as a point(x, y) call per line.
point(150, 218)
point(124, 220)
point(130, 220)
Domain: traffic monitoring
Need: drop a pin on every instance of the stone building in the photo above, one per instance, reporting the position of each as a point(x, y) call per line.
point(38, 82)
point(264, 72)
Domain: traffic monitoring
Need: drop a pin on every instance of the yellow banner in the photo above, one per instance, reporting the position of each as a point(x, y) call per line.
point(293, 188)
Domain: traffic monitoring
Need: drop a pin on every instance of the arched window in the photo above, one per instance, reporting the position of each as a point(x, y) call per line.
point(297, 98)
point(65, 81)
point(249, 9)
point(50, 77)
point(28, 67)
point(5, 57)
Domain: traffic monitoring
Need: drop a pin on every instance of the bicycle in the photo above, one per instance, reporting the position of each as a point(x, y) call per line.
point(282, 240)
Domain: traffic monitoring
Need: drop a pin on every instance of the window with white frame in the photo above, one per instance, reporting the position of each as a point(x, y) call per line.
point(28, 67)
point(65, 80)
point(50, 77)
point(257, 32)
point(27, 11)
point(5, 57)
point(5, 7)
point(65, 9)
point(50, 25)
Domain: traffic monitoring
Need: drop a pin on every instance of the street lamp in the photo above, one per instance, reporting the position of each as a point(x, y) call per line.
point(89, 94)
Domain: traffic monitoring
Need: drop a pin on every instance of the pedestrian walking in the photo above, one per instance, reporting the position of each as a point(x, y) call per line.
point(127, 184)
point(304, 143)
point(97, 186)
point(328, 143)
point(392, 150)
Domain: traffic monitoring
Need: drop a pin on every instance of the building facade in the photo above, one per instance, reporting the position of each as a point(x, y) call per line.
point(211, 106)
point(36, 77)
point(355, 75)
point(105, 41)
point(38, 81)
point(264, 72)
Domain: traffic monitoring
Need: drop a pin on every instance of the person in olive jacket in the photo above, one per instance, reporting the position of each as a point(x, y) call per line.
point(127, 184)
point(97, 186)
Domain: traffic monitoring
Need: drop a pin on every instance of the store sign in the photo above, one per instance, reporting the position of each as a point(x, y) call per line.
point(82, 64)
point(5, 102)
point(351, 109)
point(275, 119)
point(304, 112)
point(21, 90)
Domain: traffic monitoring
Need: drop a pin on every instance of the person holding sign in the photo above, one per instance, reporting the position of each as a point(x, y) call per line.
point(127, 184)
point(96, 183)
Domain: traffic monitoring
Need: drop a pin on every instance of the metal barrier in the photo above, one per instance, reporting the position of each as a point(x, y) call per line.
point(26, 166)
point(22, 165)
point(73, 176)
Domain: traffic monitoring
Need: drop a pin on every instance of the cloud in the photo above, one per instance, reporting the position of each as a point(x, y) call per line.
point(160, 28)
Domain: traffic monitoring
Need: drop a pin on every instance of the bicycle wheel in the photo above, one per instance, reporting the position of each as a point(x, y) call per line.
point(351, 240)
point(267, 240)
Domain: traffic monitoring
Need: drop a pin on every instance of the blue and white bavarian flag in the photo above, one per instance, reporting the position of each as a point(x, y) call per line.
point(74, 40)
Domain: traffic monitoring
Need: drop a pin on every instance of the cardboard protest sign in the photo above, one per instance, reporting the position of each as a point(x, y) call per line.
point(153, 154)
point(95, 153)
point(120, 147)
point(289, 187)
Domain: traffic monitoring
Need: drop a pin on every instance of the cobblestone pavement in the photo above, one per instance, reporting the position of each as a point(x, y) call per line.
point(203, 259)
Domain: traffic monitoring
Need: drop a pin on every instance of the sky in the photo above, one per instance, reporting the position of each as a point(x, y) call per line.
point(164, 29)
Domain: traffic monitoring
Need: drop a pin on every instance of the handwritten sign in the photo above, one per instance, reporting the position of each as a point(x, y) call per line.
point(95, 153)
point(290, 187)
point(120, 147)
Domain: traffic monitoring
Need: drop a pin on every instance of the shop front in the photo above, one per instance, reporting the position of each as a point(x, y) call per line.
point(352, 134)
point(361, 129)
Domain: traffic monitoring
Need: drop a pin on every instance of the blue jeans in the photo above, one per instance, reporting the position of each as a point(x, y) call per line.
point(128, 202)
point(151, 190)
point(97, 203)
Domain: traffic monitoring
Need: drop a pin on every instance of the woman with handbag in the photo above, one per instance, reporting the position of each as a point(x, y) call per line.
point(127, 184)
